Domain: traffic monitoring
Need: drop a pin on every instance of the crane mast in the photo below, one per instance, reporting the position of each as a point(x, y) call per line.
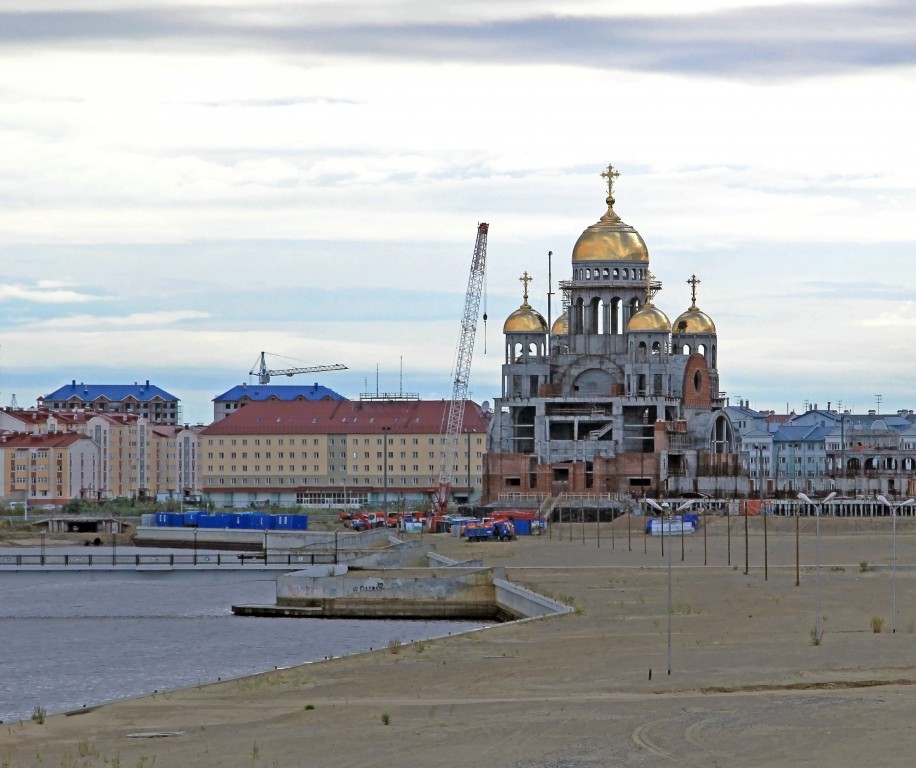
point(463, 358)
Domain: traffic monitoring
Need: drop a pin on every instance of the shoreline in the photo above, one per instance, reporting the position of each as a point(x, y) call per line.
point(747, 685)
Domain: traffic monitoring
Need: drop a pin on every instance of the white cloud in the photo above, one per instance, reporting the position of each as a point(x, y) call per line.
point(104, 323)
point(43, 293)
point(195, 183)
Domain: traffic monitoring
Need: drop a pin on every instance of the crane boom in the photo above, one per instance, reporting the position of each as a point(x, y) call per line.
point(463, 358)
point(264, 373)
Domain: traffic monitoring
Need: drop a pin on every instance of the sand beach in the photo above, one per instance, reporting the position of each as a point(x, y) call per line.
point(748, 685)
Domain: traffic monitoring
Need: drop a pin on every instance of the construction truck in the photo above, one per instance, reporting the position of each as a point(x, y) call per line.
point(490, 530)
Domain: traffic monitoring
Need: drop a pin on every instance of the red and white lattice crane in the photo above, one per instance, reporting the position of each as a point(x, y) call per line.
point(449, 466)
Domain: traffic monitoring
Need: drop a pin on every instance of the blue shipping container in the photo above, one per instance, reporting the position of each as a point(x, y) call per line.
point(259, 521)
point(522, 527)
point(162, 519)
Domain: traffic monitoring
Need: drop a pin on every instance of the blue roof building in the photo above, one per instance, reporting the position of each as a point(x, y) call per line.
point(229, 402)
point(141, 399)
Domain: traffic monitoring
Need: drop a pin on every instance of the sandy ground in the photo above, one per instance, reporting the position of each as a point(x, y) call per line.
point(748, 687)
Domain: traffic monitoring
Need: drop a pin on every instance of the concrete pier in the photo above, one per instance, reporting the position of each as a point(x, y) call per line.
point(336, 592)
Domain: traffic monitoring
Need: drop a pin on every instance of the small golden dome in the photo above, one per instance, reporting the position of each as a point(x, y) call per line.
point(694, 321)
point(649, 318)
point(525, 320)
point(560, 326)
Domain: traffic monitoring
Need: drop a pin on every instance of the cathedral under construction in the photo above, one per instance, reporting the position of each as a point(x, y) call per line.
point(614, 398)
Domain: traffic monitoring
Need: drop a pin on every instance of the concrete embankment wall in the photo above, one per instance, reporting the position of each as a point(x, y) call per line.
point(389, 594)
point(522, 603)
point(237, 538)
point(458, 592)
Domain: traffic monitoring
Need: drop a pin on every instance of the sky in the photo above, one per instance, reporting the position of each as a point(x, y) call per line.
point(186, 184)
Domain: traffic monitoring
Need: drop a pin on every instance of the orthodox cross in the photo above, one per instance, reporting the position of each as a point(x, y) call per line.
point(524, 280)
point(610, 173)
point(649, 292)
point(693, 282)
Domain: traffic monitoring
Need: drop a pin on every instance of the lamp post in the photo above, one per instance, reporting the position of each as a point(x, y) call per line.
point(894, 509)
point(817, 556)
point(666, 510)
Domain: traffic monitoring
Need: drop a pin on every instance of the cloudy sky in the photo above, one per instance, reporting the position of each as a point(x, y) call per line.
point(184, 184)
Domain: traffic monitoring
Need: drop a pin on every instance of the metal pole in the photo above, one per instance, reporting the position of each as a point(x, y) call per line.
point(728, 532)
point(797, 571)
point(766, 552)
point(894, 572)
point(669, 595)
point(682, 537)
point(747, 563)
point(817, 574)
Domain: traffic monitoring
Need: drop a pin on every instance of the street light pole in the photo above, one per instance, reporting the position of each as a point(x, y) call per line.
point(666, 510)
point(817, 555)
point(894, 509)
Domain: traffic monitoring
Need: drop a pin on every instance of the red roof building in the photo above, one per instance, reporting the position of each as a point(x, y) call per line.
point(327, 453)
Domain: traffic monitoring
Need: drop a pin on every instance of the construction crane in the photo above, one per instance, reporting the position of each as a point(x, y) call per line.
point(449, 467)
point(264, 373)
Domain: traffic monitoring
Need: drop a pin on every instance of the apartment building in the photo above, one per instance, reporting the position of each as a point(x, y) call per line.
point(332, 453)
point(239, 396)
point(136, 458)
point(49, 468)
point(138, 399)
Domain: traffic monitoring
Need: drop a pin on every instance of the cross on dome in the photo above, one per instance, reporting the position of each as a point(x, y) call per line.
point(610, 174)
point(524, 280)
point(693, 282)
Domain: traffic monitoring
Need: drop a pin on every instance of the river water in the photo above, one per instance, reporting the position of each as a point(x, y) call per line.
point(80, 639)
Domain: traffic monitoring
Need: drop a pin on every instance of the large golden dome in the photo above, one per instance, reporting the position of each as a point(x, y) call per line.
point(694, 321)
point(525, 320)
point(609, 238)
point(649, 318)
point(560, 326)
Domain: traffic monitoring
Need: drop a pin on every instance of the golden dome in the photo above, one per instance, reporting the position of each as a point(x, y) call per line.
point(610, 239)
point(694, 321)
point(560, 326)
point(649, 318)
point(525, 320)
